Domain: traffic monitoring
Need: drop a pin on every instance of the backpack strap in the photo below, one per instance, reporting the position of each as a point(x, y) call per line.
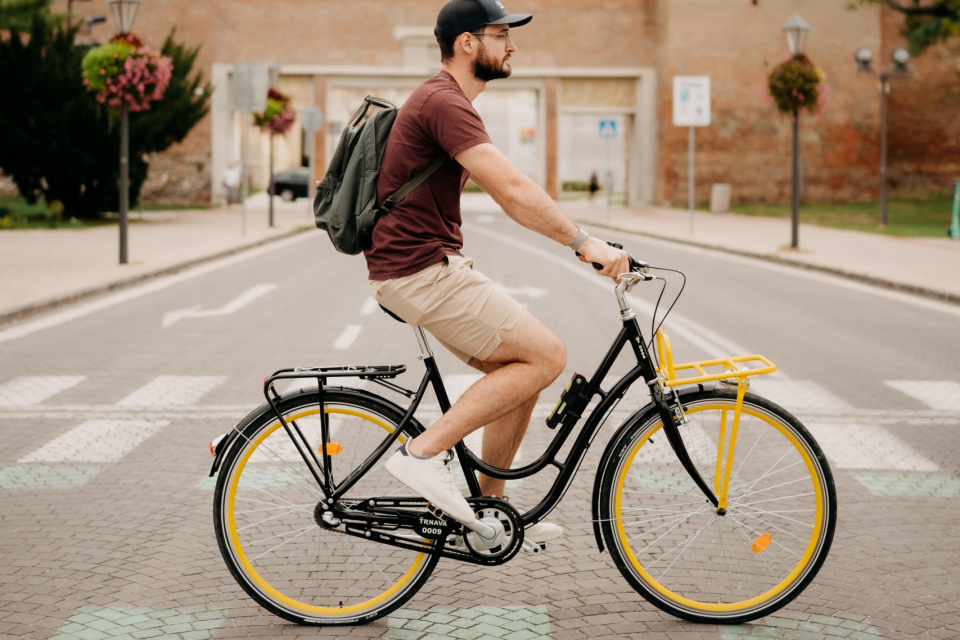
point(403, 191)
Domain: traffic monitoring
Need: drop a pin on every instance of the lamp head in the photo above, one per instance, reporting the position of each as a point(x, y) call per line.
point(124, 12)
point(864, 58)
point(901, 59)
point(795, 31)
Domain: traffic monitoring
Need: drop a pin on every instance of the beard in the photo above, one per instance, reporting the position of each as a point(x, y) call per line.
point(486, 68)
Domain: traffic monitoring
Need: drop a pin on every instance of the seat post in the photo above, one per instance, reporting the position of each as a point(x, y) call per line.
point(425, 351)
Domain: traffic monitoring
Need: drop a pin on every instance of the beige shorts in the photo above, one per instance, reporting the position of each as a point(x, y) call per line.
point(461, 307)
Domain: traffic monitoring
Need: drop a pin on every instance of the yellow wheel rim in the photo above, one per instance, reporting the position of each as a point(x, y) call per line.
point(265, 586)
point(733, 606)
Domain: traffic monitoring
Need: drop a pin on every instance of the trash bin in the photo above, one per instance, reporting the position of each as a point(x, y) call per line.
point(720, 198)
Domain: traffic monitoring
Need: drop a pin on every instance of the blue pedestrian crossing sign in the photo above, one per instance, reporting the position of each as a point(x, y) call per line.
point(608, 129)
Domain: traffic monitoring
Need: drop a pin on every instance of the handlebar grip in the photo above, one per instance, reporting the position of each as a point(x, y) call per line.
point(635, 265)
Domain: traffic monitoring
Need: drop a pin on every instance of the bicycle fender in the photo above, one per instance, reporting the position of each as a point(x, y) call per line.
point(609, 455)
point(233, 435)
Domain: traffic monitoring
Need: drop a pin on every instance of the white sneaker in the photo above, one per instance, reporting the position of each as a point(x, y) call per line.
point(433, 479)
point(543, 532)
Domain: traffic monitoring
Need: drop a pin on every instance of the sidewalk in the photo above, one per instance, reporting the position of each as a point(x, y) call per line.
point(40, 268)
point(925, 266)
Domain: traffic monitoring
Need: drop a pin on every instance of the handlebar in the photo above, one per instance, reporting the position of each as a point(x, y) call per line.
point(636, 266)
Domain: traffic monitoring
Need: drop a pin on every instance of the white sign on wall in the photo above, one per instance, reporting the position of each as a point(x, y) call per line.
point(691, 101)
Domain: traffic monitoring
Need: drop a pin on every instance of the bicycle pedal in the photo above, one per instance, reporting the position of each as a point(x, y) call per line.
point(533, 548)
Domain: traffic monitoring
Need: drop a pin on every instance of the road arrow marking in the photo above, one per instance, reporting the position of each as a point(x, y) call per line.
point(530, 292)
point(235, 305)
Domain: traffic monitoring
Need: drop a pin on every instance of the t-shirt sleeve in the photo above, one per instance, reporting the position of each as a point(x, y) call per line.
point(450, 120)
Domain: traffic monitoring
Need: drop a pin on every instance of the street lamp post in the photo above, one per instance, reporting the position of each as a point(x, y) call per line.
point(795, 31)
point(124, 12)
point(901, 59)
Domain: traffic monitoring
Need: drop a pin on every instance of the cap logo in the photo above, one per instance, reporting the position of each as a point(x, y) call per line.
point(500, 4)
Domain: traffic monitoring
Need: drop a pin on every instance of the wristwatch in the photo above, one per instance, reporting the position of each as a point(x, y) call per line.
point(579, 240)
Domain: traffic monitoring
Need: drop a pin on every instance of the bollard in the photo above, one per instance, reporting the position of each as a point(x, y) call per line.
point(954, 231)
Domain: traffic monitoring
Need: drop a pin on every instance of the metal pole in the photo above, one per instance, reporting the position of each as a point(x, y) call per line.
point(690, 173)
point(311, 183)
point(245, 126)
point(955, 220)
point(795, 198)
point(883, 149)
point(124, 178)
point(270, 188)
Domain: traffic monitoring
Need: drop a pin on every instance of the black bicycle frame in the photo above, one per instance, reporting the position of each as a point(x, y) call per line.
point(629, 334)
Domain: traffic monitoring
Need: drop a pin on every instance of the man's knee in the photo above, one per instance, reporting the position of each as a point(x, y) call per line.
point(554, 357)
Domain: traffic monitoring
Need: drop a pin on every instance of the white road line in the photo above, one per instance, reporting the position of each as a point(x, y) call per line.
point(96, 441)
point(172, 391)
point(29, 390)
point(676, 324)
point(370, 305)
point(347, 337)
point(798, 395)
point(233, 306)
point(86, 309)
point(864, 446)
point(936, 394)
point(457, 384)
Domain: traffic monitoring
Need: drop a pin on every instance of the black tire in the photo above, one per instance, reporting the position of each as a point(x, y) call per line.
point(265, 524)
point(673, 546)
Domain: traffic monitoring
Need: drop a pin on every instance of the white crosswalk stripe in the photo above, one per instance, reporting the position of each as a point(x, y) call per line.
point(29, 390)
point(936, 394)
point(96, 441)
point(172, 391)
point(347, 337)
point(799, 395)
point(864, 446)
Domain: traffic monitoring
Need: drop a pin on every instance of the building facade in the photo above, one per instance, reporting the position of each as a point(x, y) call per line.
point(591, 92)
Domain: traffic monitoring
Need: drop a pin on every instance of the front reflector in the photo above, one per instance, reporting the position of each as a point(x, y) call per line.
point(760, 544)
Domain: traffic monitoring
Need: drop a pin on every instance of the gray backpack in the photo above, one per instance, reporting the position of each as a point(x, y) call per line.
point(346, 205)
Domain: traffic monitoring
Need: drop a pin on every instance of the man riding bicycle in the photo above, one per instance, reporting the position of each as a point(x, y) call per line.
point(417, 271)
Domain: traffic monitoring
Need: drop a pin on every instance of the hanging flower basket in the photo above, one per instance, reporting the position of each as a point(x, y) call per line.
point(796, 84)
point(279, 115)
point(125, 71)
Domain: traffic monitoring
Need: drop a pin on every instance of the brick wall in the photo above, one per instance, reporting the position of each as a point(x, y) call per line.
point(736, 42)
point(923, 116)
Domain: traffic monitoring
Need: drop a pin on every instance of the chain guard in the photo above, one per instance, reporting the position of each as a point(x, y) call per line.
point(410, 523)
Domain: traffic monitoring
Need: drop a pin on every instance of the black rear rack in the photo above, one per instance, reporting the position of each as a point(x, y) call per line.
point(370, 372)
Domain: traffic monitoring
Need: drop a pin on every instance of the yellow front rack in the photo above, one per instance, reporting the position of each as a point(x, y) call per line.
point(738, 367)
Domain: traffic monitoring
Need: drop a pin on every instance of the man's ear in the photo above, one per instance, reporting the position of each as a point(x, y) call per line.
point(466, 43)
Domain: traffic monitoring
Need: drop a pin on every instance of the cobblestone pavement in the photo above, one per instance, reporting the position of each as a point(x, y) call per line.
point(106, 506)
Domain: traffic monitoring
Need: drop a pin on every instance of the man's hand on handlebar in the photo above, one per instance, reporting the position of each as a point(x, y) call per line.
point(615, 261)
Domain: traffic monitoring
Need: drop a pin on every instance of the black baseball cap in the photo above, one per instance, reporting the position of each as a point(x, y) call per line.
point(461, 16)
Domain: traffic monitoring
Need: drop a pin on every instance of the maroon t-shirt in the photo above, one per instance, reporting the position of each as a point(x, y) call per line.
point(437, 119)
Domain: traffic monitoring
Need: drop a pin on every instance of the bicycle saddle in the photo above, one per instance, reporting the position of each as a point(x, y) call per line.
point(392, 314)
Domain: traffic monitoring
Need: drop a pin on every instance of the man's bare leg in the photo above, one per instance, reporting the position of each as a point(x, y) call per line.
point(501, 441)
point(527, 361)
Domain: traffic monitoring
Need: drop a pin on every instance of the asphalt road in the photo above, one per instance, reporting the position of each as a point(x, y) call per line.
point(105, 417)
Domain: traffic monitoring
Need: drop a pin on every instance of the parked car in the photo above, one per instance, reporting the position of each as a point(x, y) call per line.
point(291, 184)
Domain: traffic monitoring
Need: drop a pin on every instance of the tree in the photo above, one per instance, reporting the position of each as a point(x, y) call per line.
point(58, 142)
point(927, 21)
point(19, 14)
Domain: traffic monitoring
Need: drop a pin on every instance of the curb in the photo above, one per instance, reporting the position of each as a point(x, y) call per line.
point(941, 296)
point(46, 305)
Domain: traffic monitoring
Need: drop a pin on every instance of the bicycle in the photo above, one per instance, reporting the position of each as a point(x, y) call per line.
point(726, 518)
